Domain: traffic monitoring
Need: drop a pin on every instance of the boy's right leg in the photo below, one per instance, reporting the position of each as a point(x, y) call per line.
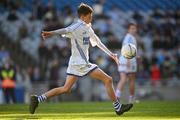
point(70, 80)
point(101, 75)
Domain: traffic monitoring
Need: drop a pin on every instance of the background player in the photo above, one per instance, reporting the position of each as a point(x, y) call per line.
point(128, 67)
point(81, 34)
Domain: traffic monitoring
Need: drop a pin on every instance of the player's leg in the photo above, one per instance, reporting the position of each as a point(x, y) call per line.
point(100, 75)
point(121, 83)
point(70, 80)
point(132, 77)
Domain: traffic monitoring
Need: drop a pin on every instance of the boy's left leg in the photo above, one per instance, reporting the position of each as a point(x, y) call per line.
point(101, 75)
point(70, 80)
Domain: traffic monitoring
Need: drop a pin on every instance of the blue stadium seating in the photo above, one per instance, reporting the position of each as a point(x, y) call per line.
point(125, 5)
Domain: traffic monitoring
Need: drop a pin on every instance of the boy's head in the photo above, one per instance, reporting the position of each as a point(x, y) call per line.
point(132, 28)
point(85, 13)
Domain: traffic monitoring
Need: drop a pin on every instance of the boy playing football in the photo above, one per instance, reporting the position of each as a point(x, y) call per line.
point(81, 34)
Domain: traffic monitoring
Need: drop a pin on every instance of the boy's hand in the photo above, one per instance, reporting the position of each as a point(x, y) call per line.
point(115, 58)
point(46, 34)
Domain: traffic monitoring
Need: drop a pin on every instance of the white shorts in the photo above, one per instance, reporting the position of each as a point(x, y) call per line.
point(123, 66)
point(81, 70)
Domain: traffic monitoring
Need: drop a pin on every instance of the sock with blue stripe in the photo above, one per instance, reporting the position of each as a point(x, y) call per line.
point(41, 98)
point(117, 105)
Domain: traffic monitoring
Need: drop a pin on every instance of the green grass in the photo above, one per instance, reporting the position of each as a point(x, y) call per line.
point(149, 110)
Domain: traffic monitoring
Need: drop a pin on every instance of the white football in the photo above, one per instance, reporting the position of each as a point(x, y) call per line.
point(128, 51)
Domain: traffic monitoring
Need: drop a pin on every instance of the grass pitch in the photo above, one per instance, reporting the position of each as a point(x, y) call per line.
point(149, 110)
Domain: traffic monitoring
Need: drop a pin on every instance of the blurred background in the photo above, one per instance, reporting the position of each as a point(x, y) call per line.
point(35, 66)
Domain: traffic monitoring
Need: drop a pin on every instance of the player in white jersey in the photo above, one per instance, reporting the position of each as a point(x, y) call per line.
point(81, 34)
point(128, 67)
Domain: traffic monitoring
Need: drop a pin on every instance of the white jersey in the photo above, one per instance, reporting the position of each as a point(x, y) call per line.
point(129, 39)
point(123, 61)
point(80, 35)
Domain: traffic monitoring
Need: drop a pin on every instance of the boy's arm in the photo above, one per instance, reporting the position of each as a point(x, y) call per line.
point(104, 48)
point(46, 34)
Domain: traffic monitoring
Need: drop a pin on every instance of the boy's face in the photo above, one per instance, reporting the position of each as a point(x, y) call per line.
point(87, 18)
point(132, 29)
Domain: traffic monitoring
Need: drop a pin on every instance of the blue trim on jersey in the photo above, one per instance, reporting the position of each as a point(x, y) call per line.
point(72, 24)
point(130, 40)
point(77, 26)
point(81, 51)
point(73, 75)
point(86, 40)
point(91, 70)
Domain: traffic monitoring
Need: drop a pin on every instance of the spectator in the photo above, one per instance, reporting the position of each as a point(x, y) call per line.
point(43, 51)
point(157, 43)
point(155, 74)
point(36, 75)
point(54, 76)
point(8, 77)
point(12, 15)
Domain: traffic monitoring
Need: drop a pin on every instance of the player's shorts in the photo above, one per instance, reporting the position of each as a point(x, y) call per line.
point(123, 66)
point(81, 70)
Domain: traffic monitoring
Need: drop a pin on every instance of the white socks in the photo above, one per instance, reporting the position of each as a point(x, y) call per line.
point(131, 99)
point(118, 93)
